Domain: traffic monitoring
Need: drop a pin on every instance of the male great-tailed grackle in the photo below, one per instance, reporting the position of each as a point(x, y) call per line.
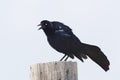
point(62, 39)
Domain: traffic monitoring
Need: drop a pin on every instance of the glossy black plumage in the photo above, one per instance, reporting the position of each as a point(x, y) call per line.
point(62, 39)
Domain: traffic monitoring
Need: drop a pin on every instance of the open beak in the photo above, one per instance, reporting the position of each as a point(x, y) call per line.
point(40, 27)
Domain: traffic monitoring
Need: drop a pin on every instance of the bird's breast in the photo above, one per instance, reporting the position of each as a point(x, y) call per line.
point(58, 43)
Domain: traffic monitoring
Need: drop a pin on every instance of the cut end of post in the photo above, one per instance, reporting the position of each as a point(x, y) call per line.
point(60, 70)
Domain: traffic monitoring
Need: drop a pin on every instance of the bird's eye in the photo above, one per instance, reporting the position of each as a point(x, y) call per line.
point(45, 24)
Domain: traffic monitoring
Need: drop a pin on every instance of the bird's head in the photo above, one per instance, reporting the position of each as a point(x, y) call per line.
point(47, 27)
point(45, 24)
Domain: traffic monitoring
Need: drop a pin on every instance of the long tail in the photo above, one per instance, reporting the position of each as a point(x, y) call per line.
point(97, 56)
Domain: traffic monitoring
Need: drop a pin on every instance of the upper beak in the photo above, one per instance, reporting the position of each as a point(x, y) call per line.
point(40, 27)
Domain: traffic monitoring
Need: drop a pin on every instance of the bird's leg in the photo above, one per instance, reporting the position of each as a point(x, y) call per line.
point(66, 58)
point(63, 57)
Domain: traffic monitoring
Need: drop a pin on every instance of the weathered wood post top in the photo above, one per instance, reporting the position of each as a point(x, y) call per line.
point(54, 71)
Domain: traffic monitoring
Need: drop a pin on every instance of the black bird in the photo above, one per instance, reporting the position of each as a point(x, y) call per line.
point(62, 39)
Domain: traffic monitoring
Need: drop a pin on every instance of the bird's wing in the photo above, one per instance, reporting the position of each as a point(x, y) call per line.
point(61, 26)
point(71, 43)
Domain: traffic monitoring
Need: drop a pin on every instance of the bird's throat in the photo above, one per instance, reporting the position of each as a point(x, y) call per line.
point(49, 32)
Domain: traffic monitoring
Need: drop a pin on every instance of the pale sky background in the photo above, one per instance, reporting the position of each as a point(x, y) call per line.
point(21, 44)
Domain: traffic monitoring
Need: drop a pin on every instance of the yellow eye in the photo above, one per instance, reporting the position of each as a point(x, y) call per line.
point(46, 24)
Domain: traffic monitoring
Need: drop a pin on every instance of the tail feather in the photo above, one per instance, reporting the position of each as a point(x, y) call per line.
point(97, 56)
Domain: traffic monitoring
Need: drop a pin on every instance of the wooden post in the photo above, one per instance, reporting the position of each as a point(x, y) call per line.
point(54, 71)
